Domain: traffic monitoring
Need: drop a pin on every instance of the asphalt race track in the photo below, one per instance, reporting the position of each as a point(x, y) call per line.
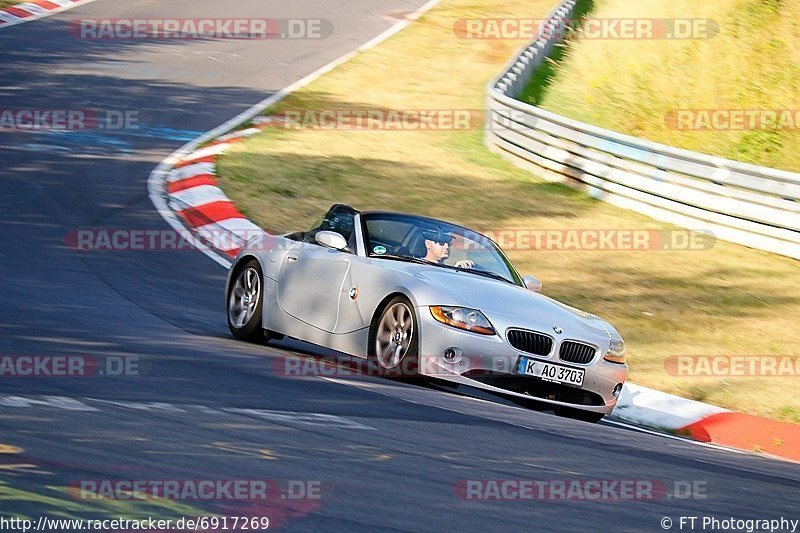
point(205, 407)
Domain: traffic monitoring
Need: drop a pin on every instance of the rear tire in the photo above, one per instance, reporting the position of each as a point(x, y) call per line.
point(394, 340)
point(246, 301)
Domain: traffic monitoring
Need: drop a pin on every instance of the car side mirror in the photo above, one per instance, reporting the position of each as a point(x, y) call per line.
point(532, 284)
point(331, 239)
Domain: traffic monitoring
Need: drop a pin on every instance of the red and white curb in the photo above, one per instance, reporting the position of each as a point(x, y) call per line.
point(707, 423)
point(35, 9)
point(202, 207)
point(184, 190)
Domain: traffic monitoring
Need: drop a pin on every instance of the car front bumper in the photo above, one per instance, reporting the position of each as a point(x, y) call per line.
point(489, 362)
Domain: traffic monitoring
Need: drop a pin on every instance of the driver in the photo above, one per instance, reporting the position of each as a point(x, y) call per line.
point(437, 246)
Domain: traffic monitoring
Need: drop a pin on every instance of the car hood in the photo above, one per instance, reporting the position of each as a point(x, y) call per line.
point(494, 297)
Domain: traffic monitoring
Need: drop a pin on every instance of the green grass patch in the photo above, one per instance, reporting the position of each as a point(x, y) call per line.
point(636, 86)
point(539, 84)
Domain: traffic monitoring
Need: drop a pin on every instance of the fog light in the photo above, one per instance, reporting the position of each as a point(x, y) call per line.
point(617, 390)
point(452, 354)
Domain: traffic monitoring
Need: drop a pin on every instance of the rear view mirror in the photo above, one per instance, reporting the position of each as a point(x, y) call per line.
point(532, 284)
point(331, 239)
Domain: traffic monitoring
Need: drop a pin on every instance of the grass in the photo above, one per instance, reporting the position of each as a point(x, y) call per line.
point(539, 84)
point(6, 3)
point(726, 300)
point(632, 86)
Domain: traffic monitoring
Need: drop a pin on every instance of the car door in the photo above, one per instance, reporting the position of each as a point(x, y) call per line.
point(312, 276)
point(310, 282)
point(354, 313)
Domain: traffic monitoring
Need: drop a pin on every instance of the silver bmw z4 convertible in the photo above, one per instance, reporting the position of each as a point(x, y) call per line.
point(423, 297)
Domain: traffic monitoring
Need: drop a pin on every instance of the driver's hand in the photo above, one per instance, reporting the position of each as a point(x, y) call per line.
point(465, 263)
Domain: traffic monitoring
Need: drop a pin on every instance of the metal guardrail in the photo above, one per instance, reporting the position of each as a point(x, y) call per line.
point(742, 203)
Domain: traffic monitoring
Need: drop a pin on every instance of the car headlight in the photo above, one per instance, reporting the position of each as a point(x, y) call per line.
point(463, 318)
point(616, 352)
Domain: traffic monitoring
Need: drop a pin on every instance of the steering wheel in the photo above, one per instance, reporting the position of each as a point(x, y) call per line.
point(478, 266)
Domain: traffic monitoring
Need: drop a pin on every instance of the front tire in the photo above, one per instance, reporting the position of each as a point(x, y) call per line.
point(246, 301)
point(393, 340)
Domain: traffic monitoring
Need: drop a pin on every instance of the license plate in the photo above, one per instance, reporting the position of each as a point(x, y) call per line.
point(551, 372)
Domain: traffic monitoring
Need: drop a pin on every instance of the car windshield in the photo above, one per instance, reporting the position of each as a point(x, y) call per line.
point(424, 240)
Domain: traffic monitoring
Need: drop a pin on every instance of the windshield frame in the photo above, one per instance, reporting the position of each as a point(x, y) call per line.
point(364, 217)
